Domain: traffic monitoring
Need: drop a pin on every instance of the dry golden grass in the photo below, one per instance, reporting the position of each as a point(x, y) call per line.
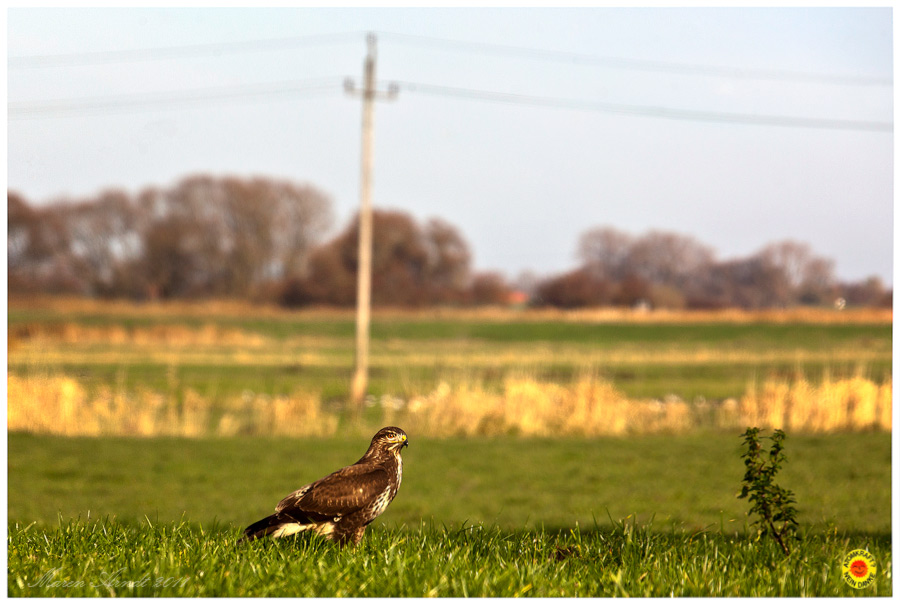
point(42, 344)
point(76, 306)
point(528, 407)
point(524, 406)
point(238, 308)
point(49, 401)
point(592, 407)
point(60, 405)
point(835, 405)
point(316, 353)
point(70, 333)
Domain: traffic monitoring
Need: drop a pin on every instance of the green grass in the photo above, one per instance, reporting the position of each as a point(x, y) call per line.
point(688, 480)
point(415, 353)
point(714, 381)
point(525, 330)
point(650, 515)
point(108, 559)
point(476, 517)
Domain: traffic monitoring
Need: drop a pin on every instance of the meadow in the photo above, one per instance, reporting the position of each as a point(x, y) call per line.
point(175, 560)
point(645, 515)
point(231, 369)
point(586, 453)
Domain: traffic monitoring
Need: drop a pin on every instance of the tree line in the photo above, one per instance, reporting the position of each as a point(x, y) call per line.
point(203, 237)
point(264, 240)
point(670, 270)
point(257, 239)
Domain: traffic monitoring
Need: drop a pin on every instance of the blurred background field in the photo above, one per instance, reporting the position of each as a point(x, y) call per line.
point(209, 413)
point(681, 482)
point(93, 368)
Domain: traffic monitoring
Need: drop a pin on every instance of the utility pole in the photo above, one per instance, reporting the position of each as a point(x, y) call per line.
point(364, 268)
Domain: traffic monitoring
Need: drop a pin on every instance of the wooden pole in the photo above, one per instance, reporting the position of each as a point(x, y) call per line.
point(364, 267)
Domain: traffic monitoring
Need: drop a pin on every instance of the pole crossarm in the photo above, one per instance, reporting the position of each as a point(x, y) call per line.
point(378, 95)
point(368, 91)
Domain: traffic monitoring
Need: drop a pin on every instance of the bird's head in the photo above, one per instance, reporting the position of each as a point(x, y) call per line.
point(390, 438)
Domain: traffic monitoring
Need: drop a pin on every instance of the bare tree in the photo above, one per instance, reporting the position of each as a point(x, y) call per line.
point(672, 270)
point(489, 288)
point(38, 250)
point(103, 234)
point(301, 216)
point(579, 288)
point(604, 251)
point(868, 292)
point(240, 234)
point(187, 240)
point(666, 258)
point(805, 277)
point(449, 258)
point(411, 266)
point(748, 283)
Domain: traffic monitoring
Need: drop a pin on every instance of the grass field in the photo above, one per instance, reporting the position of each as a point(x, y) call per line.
point(485, 517)
point(232, 358)
point(527, 504)
point(222, 352)
point(428, 561)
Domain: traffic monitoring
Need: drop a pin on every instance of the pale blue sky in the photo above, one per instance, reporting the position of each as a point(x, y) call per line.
point(520, 180)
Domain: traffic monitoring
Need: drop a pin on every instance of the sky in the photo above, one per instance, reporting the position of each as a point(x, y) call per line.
point(523, 127)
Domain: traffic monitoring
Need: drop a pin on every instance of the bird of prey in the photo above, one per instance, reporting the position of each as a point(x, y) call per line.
point(341, 505)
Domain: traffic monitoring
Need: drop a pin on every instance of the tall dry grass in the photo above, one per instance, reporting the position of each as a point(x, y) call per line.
point(834, 405)
point(592, 407)
point(240, 308)
point(69, 333)
point(523, 406)
point(60, 405)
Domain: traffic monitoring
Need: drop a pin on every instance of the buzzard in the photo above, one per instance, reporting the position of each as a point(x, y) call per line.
point(341, 505)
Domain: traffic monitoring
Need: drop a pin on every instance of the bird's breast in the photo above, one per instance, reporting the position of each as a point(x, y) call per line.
point(382, 501)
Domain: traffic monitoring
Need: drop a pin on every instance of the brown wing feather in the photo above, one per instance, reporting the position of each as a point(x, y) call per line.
point(340, 493)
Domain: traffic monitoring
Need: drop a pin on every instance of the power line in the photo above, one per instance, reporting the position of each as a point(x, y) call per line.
point(214, 49)
point(220, 48)
point(639, 64)
point(650, 111)
point(165, 100)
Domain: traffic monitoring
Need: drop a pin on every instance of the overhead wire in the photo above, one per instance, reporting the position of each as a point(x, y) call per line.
point(691, 69)
point(213, 49)
point(265, 44)
point(149, 101)
point(649, 111)
point(164, 100)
